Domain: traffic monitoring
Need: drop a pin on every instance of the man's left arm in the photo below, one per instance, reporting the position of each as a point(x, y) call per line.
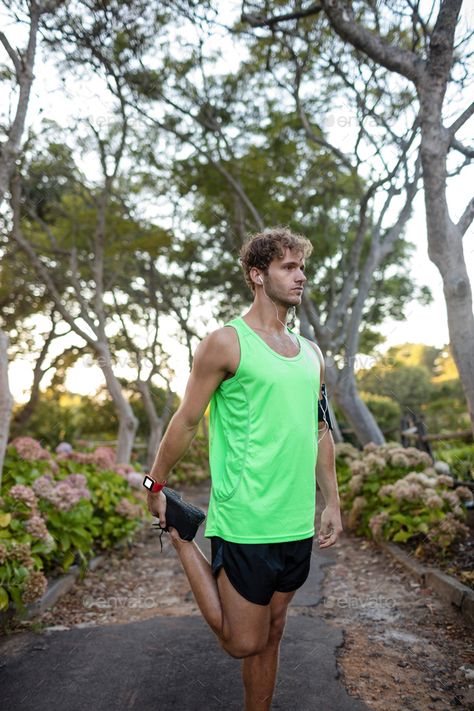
point(331, 524)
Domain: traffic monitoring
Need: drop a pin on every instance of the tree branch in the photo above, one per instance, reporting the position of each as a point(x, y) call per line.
point(12, 54)
point(461, 120)
point(341, 18)
point(465, 150)
point(259, 21)
point(39, 266)
point(466, 218)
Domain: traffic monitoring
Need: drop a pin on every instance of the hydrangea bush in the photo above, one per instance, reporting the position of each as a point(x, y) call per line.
point(394, 493)
point(56, 511)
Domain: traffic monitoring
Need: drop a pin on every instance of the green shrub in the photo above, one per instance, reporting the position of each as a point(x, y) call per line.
point(395, 494)
point(459, 458)
point(58, 511)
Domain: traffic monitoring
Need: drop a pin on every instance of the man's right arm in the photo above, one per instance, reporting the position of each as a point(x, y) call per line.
point(210, 364)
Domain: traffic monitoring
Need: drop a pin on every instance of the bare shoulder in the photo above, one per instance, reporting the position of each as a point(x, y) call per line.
point(218, 348)
point(222, 338)
point(319, 353)
point(315, 347)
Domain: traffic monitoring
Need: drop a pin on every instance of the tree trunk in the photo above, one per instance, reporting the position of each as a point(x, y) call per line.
point(356, 411)
point(6, 399)
point(23, 63)
point(458, 295)
point(341, 385)
point(431, 76)
point(128, 423)
point(157, 424)
point(336, 433)
point(445, 241)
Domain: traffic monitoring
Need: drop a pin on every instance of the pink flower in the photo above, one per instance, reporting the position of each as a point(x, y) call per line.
point(64, 447)
point(35, 586)
point(434, 501)
point(64, 497)
point(36, 527)
point(124, 469)
point(79, 482)
point(127, 509)
point(451, 497)
point(21, 552)
point(135, 479)
point(377, 522)
point(19, 492)
point(65, 494)
point(104, 457)
point(464, 493)
point(356, 483)
point(29, 448)
point(399, 459)
point(43, 486)
point(386, 490)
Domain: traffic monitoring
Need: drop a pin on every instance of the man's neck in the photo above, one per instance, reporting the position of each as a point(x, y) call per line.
point(265, 318)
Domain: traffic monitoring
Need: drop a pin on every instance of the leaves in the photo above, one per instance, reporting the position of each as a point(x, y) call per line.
point(4, 599)
point(5, 519)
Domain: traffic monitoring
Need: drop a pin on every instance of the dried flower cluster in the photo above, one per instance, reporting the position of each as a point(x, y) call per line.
point(29, 448)
point(128, 510)
point(413, 493)
point(35, 586)
point(65, 494)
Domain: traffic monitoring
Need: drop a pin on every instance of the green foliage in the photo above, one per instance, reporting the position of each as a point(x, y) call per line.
point(459, 458)
point(389, 492)
point(61, 416)
point(418, 377)
point(194, 467)
point(385, 410)
point(409, 386)
point(76, 531)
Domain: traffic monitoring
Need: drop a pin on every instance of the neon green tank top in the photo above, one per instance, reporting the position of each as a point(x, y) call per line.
point(263, 444)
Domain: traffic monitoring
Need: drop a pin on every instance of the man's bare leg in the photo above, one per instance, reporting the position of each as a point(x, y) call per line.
point(242, 626)
point(203, 584)
point(259, 672)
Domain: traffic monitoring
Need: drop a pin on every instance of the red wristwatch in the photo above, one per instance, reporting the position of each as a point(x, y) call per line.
point(153, 485)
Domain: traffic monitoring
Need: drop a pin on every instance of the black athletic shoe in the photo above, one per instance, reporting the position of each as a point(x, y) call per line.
point(181, 515)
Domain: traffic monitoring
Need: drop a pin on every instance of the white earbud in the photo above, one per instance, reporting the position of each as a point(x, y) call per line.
point(260, 280)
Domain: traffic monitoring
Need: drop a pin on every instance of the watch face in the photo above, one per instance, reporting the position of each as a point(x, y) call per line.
point(148, 482)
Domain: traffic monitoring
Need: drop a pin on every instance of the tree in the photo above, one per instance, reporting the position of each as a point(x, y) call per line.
point(69, 224)
point(10, 148)
point(424, 53)
point(253, 149)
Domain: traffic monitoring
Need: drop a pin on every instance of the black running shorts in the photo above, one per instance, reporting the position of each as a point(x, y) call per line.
point(257, 570)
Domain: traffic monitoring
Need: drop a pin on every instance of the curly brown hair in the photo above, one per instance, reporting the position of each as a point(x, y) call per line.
point(262, 248)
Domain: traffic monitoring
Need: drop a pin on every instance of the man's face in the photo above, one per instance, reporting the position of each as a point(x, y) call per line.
point(285, 279)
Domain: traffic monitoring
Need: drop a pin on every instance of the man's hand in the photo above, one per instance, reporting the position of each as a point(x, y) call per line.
point(331, 526)
point(157, 506)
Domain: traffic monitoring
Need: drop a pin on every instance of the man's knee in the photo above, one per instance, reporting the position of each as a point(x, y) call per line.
point(277, 628)
point(240, 648)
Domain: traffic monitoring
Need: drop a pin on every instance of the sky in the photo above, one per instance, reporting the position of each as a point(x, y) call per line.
point(422, 324)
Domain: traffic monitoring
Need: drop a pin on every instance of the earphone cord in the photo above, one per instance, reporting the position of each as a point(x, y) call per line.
point(276, 311)
point(284, 324)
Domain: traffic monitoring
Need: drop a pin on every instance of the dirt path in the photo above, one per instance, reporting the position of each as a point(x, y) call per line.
point(403, 650)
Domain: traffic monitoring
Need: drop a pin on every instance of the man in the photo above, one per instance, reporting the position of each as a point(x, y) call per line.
point(263, 382)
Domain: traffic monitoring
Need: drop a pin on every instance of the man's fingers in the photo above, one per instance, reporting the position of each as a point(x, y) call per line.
point(330, 540)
